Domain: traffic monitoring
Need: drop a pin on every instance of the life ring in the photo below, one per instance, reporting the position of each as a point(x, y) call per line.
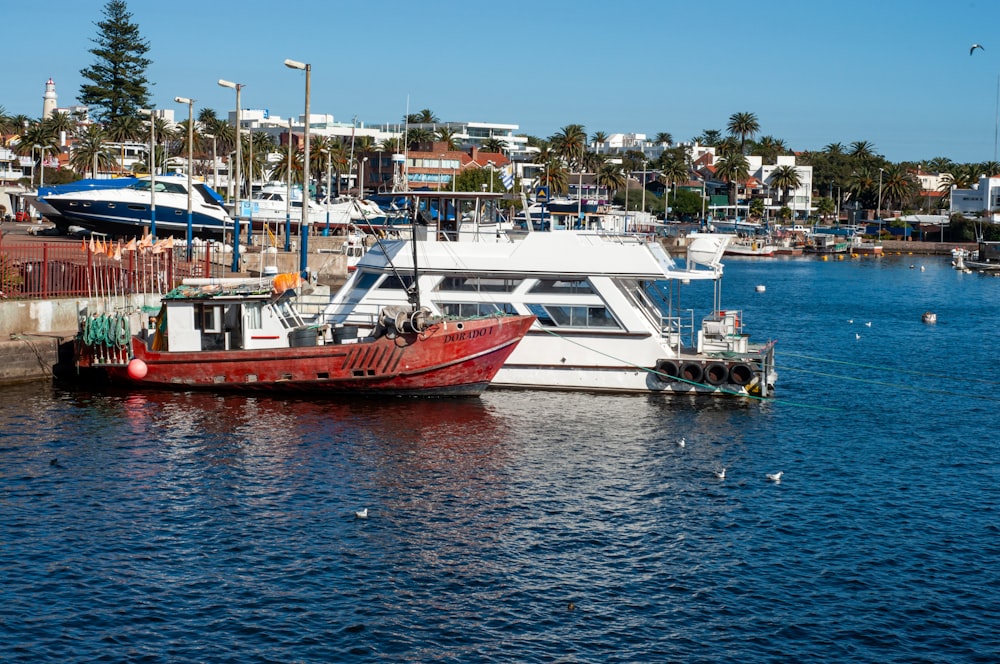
point(716, 373)
point(692, 372)
point(740, 374)
point(667, 369)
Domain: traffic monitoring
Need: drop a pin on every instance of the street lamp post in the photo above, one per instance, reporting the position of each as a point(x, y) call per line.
point(880, 201)
point(236, 191)
point(190, 139)
point(152, 170)
point(303, 230)
point(361, 178)
point(326, 231)
point(288, 193)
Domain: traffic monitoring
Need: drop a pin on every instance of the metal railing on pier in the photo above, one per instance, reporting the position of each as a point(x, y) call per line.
point(43, 270)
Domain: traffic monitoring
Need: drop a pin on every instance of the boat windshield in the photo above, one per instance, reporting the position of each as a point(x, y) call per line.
point(161, 187)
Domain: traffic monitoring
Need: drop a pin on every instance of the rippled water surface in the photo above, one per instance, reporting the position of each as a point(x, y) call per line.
point(538, 527)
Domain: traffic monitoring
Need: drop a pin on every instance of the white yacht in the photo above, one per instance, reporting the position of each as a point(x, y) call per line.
point(607, 303)
point(271, 206)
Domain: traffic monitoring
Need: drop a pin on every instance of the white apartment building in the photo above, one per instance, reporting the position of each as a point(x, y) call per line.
point(983, 197)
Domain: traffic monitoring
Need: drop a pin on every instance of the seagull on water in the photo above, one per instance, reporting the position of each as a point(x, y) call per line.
point(721, 473)
point(775, 477)
point(850, 320)
point(681, 443)
point(974, 47)
point(362, 514)
point(857, 336)
point(868, 324)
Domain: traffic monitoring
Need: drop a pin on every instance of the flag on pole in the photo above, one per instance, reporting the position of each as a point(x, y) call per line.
point(507, 177)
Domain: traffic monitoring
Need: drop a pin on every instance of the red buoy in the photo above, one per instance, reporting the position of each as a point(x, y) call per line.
point(137, 369)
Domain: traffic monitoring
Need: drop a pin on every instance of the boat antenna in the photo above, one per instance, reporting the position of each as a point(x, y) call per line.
point(416, 218)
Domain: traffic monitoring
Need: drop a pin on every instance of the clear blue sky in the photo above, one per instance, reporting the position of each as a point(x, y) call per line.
point(897, 74)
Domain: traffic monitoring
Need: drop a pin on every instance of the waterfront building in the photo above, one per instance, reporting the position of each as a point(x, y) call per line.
point(981, 201)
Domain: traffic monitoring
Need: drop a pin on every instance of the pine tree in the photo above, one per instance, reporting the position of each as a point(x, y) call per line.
point(118, 84)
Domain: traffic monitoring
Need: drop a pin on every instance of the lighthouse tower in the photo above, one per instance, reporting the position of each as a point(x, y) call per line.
point(49, 99)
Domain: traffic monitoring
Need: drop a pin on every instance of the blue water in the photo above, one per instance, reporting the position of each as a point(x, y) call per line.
point(538, 527)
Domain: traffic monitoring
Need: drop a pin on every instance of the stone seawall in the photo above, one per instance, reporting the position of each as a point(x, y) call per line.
point(32, 357)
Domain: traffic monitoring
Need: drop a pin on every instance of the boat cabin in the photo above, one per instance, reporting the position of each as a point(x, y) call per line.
point(211, 317)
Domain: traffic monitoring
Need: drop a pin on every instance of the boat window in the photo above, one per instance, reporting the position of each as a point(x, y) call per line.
point(564, 316)
point(580, 286)
point(393, 282)
point(252, 316)
point(207, 318)
point(469, 309)
point(478, 284)
point(366, 280)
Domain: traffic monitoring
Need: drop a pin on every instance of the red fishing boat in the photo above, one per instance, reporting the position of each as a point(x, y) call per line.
point(247, 335)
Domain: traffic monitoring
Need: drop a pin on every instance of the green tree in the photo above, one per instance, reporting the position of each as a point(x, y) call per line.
point(611, 177)
point(598, 140)
point(733, 169)
point(446, 135)
point(90, 151)
point(664, 138)
point(570, 143)
point(709, 137)
point(117, 81)
point(674, 171)
point(744, 125)
point(898, 186)
point(786, 178)
point(494, 144)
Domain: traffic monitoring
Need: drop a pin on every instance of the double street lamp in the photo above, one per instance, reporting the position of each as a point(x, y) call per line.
point(190, 141)
point(303, 229)
point(239, 158)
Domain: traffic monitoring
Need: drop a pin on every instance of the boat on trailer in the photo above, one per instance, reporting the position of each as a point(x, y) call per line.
point(248, 336)
point(608, 302)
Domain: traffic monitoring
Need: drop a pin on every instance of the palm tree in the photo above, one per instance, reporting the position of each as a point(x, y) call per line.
point(834, 148)
point(862, 151)
point(940, 165)
point(787, 179)
point(60, 121)
point(90, 151)
point(744, 125)
point(863, 187)
point(425, 116)
point(611, 177)
point(280, 170)
point(664, 138)
point(592, 161)
point(675, 170)
point(733, 169)
point(570, 143)
point(417, 137)
point(390, 144)
point(769, 148)
point(709, 137)
point(599, 139)
point(494, 144)
point(898, 186)
point(446, 135)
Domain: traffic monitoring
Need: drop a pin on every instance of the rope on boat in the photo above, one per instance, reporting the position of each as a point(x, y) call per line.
point(110, 330)
point(715, 389)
